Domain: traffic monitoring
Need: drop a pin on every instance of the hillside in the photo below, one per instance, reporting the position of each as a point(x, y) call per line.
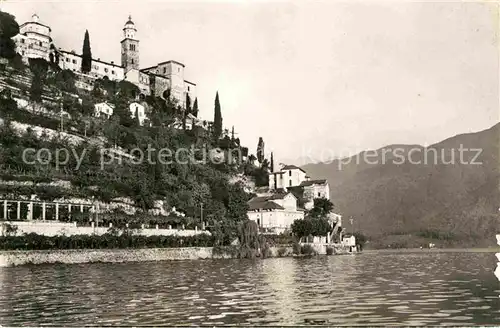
point(456, 202)
point(156, 172)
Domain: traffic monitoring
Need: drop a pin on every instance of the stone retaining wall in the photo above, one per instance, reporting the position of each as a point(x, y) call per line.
point(16, 258)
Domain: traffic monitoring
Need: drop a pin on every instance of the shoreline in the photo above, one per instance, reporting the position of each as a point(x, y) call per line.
point(434, 250)
point(79, 256)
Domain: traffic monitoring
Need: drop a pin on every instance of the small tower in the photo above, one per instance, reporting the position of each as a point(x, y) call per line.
point(35, 18)
point(130, 46)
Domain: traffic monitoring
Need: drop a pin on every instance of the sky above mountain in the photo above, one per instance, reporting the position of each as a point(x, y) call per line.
point(315, 79)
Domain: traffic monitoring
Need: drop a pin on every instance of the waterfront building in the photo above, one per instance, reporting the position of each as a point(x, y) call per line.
point(274, 213)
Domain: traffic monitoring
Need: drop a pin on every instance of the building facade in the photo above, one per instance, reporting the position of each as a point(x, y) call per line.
point(165, 79)
point(287, 176)
point(274, 213)
point(33, 40)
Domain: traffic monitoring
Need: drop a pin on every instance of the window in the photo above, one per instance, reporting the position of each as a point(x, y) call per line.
point(23, 52)
point(132, 47)
point(289, 173)
point(178, 69)
point(132, 61)
point(164, 70)
point(74, 61)
point(67, 60)
point(319, 195)
point(40, 43)
point(188, 88)
point(112, 72)
point(290, 183)
point(105, 69)
point(22, 40)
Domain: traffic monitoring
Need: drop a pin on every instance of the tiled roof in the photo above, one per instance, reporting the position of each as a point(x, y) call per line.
point(312, 182)
point(292, 167)
point(264, 205)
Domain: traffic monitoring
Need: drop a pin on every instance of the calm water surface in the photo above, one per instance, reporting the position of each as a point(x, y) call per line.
point(367, 289)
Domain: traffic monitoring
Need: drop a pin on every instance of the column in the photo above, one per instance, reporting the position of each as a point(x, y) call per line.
point(81, 208)
point(43, 211)
point(57, 211)
point(5, 210)
point(30, 211)
point(69, 212)
point(18, 211)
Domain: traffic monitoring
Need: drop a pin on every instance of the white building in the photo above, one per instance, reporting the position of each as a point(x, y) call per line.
point(191, 121)
point(349, 240)
point(138, 109)
point(33, 40)
point(275, 213)
point(104, 110)
point(165, 79)
point(99, 69)
point(287, 176)
point(314, 189)
point(291, 176)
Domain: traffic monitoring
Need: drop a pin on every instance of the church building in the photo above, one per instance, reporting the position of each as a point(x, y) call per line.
point(165, 79)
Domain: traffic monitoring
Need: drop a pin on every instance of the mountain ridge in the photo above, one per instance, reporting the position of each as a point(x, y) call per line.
point(447, 192)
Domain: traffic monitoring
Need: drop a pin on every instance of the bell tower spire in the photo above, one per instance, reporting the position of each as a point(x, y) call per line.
point(130, 46)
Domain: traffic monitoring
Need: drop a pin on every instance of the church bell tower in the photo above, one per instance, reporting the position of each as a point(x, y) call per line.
point(130, 46)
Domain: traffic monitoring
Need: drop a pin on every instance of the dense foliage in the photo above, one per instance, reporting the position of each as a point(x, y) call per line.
point(316, 222)
point(102, 158)
point(8, 29)
point(109, 240)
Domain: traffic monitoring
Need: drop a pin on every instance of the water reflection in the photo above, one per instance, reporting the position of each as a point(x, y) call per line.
point(368, 289)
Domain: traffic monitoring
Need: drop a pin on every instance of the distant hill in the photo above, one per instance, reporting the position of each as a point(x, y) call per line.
point(435, 195)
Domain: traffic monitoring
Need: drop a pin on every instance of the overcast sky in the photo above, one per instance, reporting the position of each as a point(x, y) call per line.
point(320, 77)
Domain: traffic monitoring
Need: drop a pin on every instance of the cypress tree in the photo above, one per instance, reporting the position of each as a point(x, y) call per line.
point(138, 121)
point(188, 103)
point(195, 107)
point(217, 118)
point(86, 54)
point(260, 150)
point(272, 162)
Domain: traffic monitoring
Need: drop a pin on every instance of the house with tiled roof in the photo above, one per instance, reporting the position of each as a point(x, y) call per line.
point(295, 179)
point(275, 212)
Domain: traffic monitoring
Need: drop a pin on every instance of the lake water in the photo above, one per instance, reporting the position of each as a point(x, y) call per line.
point(373, 288)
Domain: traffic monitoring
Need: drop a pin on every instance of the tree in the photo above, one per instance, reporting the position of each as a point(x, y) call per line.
point(311, 227)
point(217, 118)
point(195, 107)
point(260, 150)
point(8, 29)
point(138, 121)
point(188, 103)
point(322, 207)
point(232, 134)
point(86, 54)
point(272, 163)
